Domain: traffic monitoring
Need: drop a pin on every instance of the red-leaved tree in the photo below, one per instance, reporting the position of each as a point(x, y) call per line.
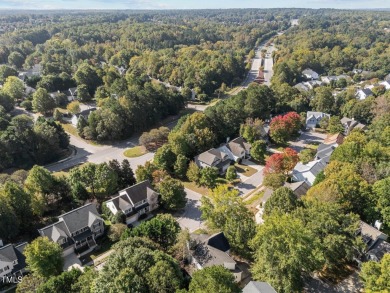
point(285, 127)
point(281, 162)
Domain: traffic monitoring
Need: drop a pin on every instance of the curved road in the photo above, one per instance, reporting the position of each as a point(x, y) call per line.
point(98, 154)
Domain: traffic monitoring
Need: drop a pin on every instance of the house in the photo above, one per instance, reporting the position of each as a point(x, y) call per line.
point(214, 158)
point(72, 92)
point(299, 188)
point(213, 251)
point(310, 74)
point(386, 84)
point(258, 287)
point(28, 90)
point(351, 124)
point(33, 71)
point(76, 230)
point(12, 260)
point(308, 172)
point(364, 93)
point(302, 87)
point(308, 85)
point(237, 149)
point(85, 114)
point(325, 149)
point(134, 201)
point(375, 241)
point(314, 118)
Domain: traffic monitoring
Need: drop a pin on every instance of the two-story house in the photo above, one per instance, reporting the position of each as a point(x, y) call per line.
point(214, 158)
point(76, 230)
point(351, 124)
point(314, 118)
point(237, 149)
point(12, 260)
point(134, 201)
point(213, 251)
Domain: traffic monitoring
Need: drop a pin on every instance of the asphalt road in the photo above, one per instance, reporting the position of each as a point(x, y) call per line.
point(98, 154)
point(268, 65)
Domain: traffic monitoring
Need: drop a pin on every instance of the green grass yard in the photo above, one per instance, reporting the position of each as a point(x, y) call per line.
point(135, 152)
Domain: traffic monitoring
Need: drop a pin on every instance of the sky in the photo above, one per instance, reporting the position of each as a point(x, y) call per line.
point(189, 4)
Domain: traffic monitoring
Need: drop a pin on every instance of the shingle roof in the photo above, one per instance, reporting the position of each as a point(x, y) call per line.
point(370, 234)
point(379, 249)
point(299, 188)
point(139, 192)
point(80, 217)
point(258, 287)
point(7, 253)
point(219, 242)
point(238, 145)
point(210, 156)
point(10, 253)
point(314, 167)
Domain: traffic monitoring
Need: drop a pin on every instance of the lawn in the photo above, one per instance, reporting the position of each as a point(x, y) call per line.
point(199, 189)
point(245, 170)
point(135, 152)
point(254, 199)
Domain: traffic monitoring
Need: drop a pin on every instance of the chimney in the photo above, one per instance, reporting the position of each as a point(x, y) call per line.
point(378, 224)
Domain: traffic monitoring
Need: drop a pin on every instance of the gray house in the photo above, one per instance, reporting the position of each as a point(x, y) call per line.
point(375, 241)
point(213, 251)
point(134, 201)
point(351, 124)
point(12, 260)
point(214, 158)
point(325, 149)
point(76, 230)
point(85, 114)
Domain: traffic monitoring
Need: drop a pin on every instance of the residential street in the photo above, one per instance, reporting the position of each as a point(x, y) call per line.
point(191, 217)
point(86, 152)
point(268, 65)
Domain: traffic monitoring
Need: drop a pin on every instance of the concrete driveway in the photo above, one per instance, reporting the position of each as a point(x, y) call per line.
point(251, 183)
point(307, 138)
point(190, 218)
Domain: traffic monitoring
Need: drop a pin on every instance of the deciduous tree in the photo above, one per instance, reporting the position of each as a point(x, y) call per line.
point(44, 257)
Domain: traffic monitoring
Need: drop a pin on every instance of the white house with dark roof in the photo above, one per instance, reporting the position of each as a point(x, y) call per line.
point(85, 114)
point(314, 118)
point(214, 158)
point(258, 287)
point(134, 201)
point(362, 94)
point(12, 260)
point(213, 251)
point(310, 74)
point(76, 230)
point(308, 172)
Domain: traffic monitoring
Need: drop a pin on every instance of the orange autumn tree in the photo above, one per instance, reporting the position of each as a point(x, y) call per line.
point(281, 163)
